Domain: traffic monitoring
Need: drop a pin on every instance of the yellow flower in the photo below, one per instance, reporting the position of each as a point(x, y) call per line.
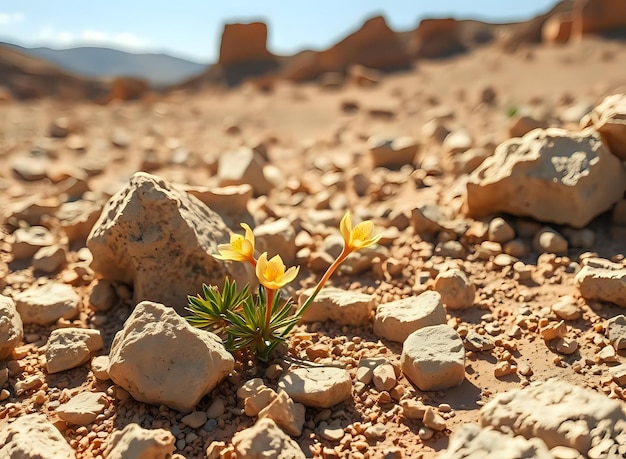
point(272, 273)
point(358, 237)
point(240, 248)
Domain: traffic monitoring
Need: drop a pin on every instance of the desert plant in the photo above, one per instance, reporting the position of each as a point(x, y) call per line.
point(258, 323)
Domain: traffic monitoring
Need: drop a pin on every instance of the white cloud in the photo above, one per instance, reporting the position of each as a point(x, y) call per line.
point(49, 36)
point(11, 18)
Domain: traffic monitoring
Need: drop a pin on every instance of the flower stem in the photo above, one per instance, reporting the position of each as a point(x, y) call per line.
point(329, 272)
point(268, 307)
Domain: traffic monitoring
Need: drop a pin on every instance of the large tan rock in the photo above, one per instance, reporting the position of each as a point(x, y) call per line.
point(559, 413)
point(71, 347)
point(33, 436)
point(601, 284)
point(135, 442)
point(265, 439)
point(161, 240)
point(11, 327)
point(609, 119)
point(552, 175)
point(160, 359)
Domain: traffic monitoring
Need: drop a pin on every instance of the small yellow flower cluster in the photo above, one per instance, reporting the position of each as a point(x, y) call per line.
point(272, 273)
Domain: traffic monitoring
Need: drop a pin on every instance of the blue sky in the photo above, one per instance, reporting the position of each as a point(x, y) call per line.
point(192, 28)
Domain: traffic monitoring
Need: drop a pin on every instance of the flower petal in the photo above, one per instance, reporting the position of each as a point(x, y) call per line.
point(345, 226)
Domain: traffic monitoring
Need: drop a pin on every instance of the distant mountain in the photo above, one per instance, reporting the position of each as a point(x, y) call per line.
point(159, 69)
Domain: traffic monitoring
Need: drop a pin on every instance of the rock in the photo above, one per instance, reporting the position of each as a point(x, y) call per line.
point(100, 367)
point(103, 296)
point(500, 231)
point(48, 303)
point(265, 439)
point(31, 167)
point(433, 420)
point(522, 125)
point(436, 38)
point(429, 219)
point(374, 45)
point(71, 347)
point(384, 377)
point(567, 177)
point(128, 88)
point(458, 141)
point(619, 374)
point(478, 343)
point(244, 166)
point(287, 414)
point(396, 320)
point(258, 400)
point(229, 201)
point(33, 436)
point(609, 119)
point(29, 240)
point(413, 409)
point(195, 419)
point(83, 408)
point(557, 28)
point(581, 238)
point(616, 331)
point(77, 218)
point(468, 160)
point(456, 290)
point(51, 259)
point(548, 240)
point(277, 237)
point(566, 308)
point(470, 440)
point(392, 152)
point(557, 412)
point(11, 328)
point(244, 44)
point(137, 442)
point(343, 307)
point(157, 346)
point(150, 231)
point(594, 16)
point(602, 284)
point(433, 358)
point(321, 387)
point(566, 346)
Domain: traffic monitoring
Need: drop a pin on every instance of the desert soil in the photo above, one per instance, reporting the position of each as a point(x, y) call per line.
point(312, 139)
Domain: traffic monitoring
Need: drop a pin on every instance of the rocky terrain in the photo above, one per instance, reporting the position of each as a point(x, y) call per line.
point(488, 320)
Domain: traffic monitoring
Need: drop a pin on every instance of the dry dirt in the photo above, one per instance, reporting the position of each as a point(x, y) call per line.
point(311, 137)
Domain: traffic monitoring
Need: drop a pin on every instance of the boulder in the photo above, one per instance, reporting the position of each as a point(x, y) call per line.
point(33, 436)
point(158, 352)
point(396, 320)
point(161, 240)
point(11, 328)
point(48, 303)
point(597, 16)
point(560, 414)
point(265, 439)
point(600, 284)
point(244, 43)
point(433, 358)
point(436, 38)
point(341, 306)
point(71, 347)
point(471, 441)
point(137, 442)
point(552, 175)
point(609, 119)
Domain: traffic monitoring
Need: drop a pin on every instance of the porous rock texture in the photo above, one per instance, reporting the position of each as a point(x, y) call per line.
point(136, 442)
point(609, 118)
point(11, 328)
point(161, 240)
point(596, 283)
point(160, 359)
point(472, 441)
point(560, 413)
point(33, 436)
point(552, 175)
point(265, 439)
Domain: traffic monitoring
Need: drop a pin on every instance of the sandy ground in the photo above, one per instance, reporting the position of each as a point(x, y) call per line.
point(307, 129)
